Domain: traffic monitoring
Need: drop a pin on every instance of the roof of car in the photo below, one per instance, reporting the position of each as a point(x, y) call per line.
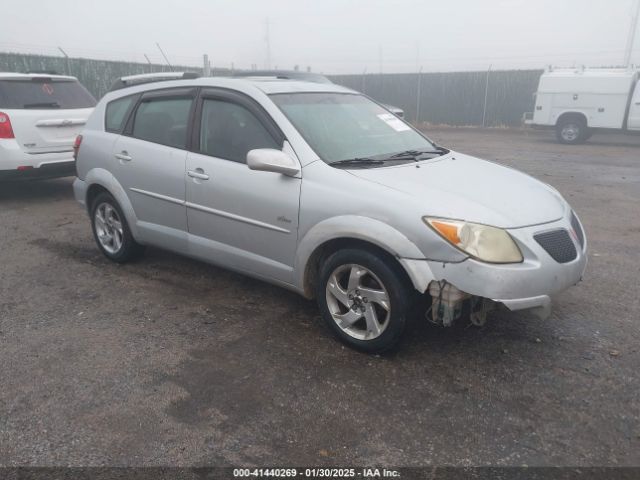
point(15, 75)
point(266, 85)
point(271, 85)
point(285, 75)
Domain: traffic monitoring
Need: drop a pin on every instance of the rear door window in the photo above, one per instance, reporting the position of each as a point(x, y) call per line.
point(163, 120)
point(44, 93)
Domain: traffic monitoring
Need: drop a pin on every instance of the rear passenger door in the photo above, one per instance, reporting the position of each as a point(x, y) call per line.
point(240, 218)
point(149, 161)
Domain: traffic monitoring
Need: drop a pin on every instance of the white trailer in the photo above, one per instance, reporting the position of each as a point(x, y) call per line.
point(579, 102)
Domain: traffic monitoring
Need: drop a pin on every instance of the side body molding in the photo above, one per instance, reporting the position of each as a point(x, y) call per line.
point(366, 229)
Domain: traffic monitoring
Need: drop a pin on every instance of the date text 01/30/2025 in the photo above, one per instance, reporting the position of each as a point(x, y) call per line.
point(315, 473)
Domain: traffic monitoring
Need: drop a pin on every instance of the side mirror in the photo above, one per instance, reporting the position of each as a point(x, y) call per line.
point(270, 160)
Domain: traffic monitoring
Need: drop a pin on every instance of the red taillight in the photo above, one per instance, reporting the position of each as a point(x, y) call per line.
point(6, 130)
point(76, 146)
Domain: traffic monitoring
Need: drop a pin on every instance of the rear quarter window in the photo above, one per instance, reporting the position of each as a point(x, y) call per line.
point(44, 93)
point(117, 112)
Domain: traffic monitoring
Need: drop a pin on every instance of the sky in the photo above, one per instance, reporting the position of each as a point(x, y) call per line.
point(330, 36)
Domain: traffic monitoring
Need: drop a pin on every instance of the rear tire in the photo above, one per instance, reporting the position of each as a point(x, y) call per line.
point(364, 299)
point(111, 230)
point(572, 130)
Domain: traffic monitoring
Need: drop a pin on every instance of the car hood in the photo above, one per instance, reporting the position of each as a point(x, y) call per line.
point(462, 187)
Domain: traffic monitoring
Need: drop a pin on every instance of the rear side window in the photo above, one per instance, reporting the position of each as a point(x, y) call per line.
point(163, 120)
point(116, 114)
point(44, 93)
point(229, 131)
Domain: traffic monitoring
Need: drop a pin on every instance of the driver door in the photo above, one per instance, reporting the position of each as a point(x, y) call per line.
point(240, 218)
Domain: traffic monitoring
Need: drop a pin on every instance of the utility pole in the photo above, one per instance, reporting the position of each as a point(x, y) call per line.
point(206, 70)
point(632, 35)
point(165, 57)
point(364, 80)
point(267, 39)
point(418, 95)
point(66, 60)
point(486, 96)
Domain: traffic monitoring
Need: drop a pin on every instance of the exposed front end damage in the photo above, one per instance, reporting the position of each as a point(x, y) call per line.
point(448, 302)
point(476, 288)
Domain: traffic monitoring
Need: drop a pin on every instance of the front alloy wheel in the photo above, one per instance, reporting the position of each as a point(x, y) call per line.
point(364, 297)
point(358, 302)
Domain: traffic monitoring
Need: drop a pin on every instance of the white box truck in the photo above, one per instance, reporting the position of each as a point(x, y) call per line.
point(579, 102)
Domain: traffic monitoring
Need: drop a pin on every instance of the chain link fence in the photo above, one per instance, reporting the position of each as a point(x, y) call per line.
point(97, 75)
point(495, 98)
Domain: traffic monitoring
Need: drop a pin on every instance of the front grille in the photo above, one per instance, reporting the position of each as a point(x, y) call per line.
point(558, 244)
point(578, 229)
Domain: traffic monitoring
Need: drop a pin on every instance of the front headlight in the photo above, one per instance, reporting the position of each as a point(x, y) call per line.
point(488, 244)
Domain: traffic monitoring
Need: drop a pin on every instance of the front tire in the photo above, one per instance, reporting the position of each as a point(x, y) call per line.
point(572, 131)
point(111, 230)
point(364, 299)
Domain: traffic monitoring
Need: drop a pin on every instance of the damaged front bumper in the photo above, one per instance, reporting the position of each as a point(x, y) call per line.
point(528, 285)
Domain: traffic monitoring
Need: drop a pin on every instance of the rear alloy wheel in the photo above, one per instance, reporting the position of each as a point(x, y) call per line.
point(108, 228)
point(111, 231)
point(363, 300)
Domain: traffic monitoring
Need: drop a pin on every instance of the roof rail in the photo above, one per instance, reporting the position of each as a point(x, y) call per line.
point(134, 80)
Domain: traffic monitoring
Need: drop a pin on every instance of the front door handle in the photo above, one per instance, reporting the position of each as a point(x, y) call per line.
point(198, 173)
point(123, 156)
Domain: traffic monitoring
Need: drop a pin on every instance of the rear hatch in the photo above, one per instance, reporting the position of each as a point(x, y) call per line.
point(46, 113)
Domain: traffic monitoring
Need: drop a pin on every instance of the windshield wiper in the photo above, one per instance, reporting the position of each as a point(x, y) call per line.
point(42, 105)
point(358, 161)
point(414, 154)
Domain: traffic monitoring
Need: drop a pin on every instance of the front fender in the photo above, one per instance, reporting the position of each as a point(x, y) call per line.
point(104, 178)
point(358, 228)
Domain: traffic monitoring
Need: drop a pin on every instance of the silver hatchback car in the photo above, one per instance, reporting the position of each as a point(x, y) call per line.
point(321, 190)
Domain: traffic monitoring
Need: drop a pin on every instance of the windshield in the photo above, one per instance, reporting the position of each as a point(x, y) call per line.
point(342, 126)
point(44, 93)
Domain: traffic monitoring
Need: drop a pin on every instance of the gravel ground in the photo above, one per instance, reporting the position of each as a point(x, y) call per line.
point(173, 362)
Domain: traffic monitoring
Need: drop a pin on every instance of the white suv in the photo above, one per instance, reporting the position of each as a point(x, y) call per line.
point(40, 117)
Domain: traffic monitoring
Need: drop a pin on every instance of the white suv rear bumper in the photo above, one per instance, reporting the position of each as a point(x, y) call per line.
point(15, 163)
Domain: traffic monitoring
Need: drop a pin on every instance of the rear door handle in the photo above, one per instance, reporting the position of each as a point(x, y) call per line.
point(124, 156)
point(198, 173)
